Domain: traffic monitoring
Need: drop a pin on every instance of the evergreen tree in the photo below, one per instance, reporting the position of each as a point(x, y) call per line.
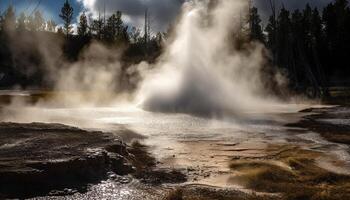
point(111, 30)
point(336, 23)
point(341, 41)
point(159, 38)
point(256, 32)
point(21, 22)
point(97, 28)
point(119, 24)
point(83, 25)
point(296, 25)
point(115, 28)
point(60, 31)
point(51, 26)
point(121, 30)
point(9, 21)
point(123, 36)
point(296, 43)
point(39, 21)
point(316, 27)
point(306, 28)
point(283, 39)
point(67, 16)
point(318, 48)
point(31, 23)
point(135, 35)
point(271, 34)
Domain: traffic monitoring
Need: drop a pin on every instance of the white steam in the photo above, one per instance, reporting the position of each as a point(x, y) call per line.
point(93, 80)
point(200, 73)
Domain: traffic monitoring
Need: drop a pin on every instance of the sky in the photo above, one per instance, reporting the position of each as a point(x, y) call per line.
point(162, 12)
point(50, 8)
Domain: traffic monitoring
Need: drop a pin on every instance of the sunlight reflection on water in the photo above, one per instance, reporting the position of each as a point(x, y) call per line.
point(181, 140)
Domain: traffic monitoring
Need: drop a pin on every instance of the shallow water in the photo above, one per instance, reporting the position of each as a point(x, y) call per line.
point(201, 147)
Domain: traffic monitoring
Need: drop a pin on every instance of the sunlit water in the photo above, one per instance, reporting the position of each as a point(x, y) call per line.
point(202, 147)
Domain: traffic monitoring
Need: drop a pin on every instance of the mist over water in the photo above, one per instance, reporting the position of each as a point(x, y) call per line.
point(203, 105)
point(200, 73)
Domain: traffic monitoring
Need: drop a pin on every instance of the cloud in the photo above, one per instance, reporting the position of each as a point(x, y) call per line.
point(162, 12)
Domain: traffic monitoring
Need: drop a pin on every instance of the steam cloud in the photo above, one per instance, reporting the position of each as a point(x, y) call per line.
point(200, 73)
point(93, 80)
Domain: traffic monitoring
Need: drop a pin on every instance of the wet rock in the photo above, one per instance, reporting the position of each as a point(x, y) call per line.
point(147, 170)
point(119, 164)
point(160, 176)
point(38, 158)
point(332, 123)
point(203, 192)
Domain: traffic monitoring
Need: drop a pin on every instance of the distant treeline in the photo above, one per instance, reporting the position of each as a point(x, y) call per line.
point(310, 46)
point(30, 45)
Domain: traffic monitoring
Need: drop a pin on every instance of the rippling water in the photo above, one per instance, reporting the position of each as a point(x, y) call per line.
point(201, 146)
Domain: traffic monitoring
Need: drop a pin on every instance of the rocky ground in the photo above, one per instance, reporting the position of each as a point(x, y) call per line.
point(36, 159)
point(289, 170)
point(333, 123)
point(53, 160)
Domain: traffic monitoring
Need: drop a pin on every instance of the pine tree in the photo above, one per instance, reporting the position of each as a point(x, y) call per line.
point(283, 44)
point(97, 27)
point(296, 25)
point(256, 32)
point(135, 35)
point(336, 21)
point(22, 22)
point(316, 27)
point(39, 21)
point(271, 29)
point(271, 34)
point(124, 35)
point(111, 30)
point(30, 23)
point(119, 24)
point(159, 38)
point(51, 26)
point(83, 25)
point(60, 31)
point(115, 28)
point(9, 21)
point(318, 49)
point(67, 16)
point(296, 42)
point(306, 27)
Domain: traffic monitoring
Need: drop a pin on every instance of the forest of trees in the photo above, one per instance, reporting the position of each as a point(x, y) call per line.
point(25, 38)
point(310, 45)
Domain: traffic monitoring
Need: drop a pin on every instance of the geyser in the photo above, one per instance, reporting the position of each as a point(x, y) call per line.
point(200, 73)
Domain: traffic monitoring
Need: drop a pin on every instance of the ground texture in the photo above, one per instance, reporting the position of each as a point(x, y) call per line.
point(38, 158)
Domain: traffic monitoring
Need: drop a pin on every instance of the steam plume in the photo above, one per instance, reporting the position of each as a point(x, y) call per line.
point(200, 73)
